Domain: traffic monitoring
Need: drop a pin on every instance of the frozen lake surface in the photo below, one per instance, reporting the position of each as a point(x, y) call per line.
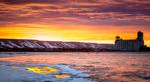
point(74, 67)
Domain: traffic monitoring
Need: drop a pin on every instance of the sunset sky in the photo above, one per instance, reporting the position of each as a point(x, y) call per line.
point(74, 20)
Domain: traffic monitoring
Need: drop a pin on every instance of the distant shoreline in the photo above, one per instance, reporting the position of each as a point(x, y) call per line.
point(69, 51)
point(17, 45)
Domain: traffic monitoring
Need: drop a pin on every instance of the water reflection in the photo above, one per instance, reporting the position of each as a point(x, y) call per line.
point(42, 73)
point(42, 70)
point(62, 76)
point(100, 67)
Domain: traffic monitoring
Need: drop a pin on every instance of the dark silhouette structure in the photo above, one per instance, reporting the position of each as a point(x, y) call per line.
point(131, 44)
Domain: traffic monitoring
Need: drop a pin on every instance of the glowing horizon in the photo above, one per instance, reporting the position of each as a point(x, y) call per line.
point(74, 20)
point(62, 33)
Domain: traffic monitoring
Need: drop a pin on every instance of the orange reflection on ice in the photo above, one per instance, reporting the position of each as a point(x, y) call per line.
point(42, 70)
point(62, 76)
point(104, 66)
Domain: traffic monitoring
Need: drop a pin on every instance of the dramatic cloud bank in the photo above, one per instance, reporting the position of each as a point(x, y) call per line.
point(74, 20)
point(94, 12)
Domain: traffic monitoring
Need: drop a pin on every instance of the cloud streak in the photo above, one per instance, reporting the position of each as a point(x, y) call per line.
point(112, 12)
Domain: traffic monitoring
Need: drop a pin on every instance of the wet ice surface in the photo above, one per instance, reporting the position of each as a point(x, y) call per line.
point(11, 72)
point(77, 67)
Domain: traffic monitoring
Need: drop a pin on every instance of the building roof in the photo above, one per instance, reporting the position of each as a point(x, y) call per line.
point(129, 40)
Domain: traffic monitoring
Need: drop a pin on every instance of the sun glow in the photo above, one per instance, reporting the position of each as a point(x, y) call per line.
point(71, 33)
point(44, 38)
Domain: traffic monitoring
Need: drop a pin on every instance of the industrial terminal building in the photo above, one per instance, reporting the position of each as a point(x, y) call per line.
point(130, 45)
